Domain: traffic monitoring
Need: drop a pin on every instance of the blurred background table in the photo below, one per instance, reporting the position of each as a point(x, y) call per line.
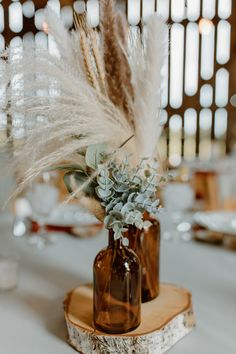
point(31, 316)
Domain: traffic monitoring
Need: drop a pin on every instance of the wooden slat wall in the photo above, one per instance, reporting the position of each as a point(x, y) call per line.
point(188, 102)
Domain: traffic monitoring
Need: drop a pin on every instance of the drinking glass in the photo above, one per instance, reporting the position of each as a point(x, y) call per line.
point(43, 199)
point(178, 200)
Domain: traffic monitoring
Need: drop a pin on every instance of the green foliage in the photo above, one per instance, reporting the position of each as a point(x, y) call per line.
point(126, 194)
point(95, 155)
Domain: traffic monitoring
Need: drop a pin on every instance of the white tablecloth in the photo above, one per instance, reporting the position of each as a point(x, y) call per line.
point(31, 316)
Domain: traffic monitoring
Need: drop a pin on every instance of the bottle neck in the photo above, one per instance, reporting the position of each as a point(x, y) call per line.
point(112, 243)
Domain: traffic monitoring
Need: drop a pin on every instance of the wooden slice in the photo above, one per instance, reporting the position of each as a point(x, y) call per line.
point(165, 320)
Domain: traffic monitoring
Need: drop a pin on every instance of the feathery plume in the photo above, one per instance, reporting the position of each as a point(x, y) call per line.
point(147, 61)
point(98, 60)
point(88, 66)
point(117, 68)
point(122, 29)
point(92, 41)
point(77, 114)
point(123, 33)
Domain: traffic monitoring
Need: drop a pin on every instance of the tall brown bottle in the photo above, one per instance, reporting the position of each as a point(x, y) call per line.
point(146, 244)
point(117, 288)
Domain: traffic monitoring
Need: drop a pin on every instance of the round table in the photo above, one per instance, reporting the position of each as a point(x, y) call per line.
point(31, 316)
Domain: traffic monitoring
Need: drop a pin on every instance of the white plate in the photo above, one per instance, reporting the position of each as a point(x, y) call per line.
point(71, 215)
point(219, 221)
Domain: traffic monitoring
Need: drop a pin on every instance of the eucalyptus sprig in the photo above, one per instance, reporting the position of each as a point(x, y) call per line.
point(126, 194)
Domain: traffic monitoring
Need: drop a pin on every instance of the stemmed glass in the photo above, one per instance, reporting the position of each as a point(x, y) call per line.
point(43, 199)
point(178, 200)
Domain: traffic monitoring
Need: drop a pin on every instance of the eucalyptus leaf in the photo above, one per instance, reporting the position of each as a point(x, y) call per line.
point(122, 187)
point(105, 182)
point(147, 224)
point(107, 221)
point(118, 206)
point(95, 155)
point(104, 193)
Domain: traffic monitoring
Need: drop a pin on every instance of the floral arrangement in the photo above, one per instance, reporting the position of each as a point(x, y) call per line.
point(126, 196)
point(124, 193)
point(92, 104)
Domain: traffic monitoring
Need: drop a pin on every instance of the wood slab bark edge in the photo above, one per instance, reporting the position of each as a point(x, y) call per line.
point(165, 321)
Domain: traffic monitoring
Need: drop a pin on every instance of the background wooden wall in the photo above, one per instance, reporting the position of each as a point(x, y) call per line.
point(188, 102)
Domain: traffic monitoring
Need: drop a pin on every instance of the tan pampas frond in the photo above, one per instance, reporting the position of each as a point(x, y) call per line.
point(77, 22)
point(88, 65)
point(123, 33)
point(117, 68)
point(64, 112)
point(81, 25)
point(122, 29)
point(65, 120)
point(98, 60)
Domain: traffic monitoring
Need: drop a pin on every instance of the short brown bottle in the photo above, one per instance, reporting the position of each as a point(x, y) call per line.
point(117, 288)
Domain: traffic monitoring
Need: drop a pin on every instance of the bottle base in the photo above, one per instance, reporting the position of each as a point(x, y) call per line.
point(147, 296)
point(115, 330)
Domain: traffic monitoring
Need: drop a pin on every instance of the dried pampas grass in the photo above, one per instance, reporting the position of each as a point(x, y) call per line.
point(122, 29)
point(92, 57)
point(87, 95)
point(147, 58)
point(88, 66)
point(117, 69)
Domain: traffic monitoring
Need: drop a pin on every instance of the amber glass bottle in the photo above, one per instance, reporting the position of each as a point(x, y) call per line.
point(117, 288)
point(146, 244)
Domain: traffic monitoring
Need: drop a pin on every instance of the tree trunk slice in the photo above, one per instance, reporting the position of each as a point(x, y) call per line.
point(165, 320)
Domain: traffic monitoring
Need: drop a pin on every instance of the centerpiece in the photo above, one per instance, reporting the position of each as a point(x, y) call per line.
point(96, 104)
